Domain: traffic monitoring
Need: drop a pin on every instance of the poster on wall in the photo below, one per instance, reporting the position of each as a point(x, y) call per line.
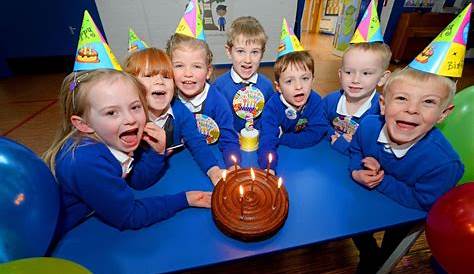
point(346, 24)
point(156, 20)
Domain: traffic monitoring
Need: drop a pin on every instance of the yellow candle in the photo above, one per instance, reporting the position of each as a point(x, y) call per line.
point(280, 182)
point(235, 161)
point(270, 159)
point(241, 190)
point(252, 174)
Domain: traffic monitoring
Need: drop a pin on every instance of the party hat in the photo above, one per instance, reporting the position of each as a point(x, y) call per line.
point(92, 50)
point(445, 54)
point(369, 27)
point(288, 40)
point(134, 42)
point(191, 22)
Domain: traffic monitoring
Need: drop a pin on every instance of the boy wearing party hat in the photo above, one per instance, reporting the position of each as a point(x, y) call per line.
point(245, 46)
point(191, 58)
point(134, 42)
point(364, 67)
point(400, 153)
point(294, 117)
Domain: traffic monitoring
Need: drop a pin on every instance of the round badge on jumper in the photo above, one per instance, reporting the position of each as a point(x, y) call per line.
point(248, 100)
point(208, 127)
point(290, 113)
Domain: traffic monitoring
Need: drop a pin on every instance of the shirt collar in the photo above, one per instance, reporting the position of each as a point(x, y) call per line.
point(237, 79)
point(398, 150)
point(124, 159)
point(282, 99)
point(342, 106)
point(195, 104)
point(161, 120)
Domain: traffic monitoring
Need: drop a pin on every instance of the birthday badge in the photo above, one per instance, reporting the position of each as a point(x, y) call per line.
point(208, 127)
point(247, 101)
point(345, 125)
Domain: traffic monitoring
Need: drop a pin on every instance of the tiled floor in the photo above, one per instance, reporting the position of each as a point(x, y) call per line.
point(29, 114)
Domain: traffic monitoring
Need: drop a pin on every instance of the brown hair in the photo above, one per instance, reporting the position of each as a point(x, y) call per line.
point(300, 59)
point(408, 74)
point(73, 99)
point(382, 49)
point(250, 29)
point(149, 62)
point(177, 41)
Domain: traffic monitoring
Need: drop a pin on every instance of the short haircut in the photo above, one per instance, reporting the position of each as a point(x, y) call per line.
point(149, 62)
point(300, 59)
point(250, 29)
point(177, 41)
point(382, 49)
point(418, 76)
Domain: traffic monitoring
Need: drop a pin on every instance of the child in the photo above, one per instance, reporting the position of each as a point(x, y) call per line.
point(364, 67)
point(191, 58)
point(245, 46)
point(96, 156)
point(401, 154)
point(293, 118)
point(154, 70)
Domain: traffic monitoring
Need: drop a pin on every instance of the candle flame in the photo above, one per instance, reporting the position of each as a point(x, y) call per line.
point(241, 190)
point(252, 174)
point(224, 174)
point(233, 158)
point(270, 157)
point(280, 181)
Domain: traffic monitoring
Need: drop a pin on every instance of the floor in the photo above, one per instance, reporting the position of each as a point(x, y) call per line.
point(29, 114)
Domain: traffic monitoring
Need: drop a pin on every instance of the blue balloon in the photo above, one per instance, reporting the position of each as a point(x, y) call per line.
point(29, 203)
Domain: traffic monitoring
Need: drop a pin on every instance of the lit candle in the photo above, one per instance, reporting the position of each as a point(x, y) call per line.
point(252, 174)
point(224, 175)
point(270, 159)
point(280, 181)
point(241, 190)
point(235, 161)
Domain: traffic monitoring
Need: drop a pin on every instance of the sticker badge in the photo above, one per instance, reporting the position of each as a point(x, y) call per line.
point(208, 127)
point(290, 113)
point(344, 124)
point(248, 100)
point(301, 124)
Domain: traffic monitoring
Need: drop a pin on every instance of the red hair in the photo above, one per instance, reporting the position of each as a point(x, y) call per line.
point(149, 62)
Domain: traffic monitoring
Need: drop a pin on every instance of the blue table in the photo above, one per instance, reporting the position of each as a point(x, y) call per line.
point(325, 204)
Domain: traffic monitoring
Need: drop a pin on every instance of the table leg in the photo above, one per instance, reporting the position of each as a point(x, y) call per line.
point(402, 249)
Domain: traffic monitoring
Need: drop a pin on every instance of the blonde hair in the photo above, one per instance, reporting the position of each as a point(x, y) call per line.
point(409, 74)
point(300, 59)
point(381, 49)
point(179, 41)
point(250, 29)
point(73, 99)
point(149, 62)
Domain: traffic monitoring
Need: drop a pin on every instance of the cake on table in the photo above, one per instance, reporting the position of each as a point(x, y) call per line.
point(256, 214)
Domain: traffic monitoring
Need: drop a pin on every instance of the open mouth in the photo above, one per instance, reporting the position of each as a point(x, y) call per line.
point(406, 124)
point(299, 97)
point(129, 137)
point(158, 93)
point(188, 82)
point(355, 89)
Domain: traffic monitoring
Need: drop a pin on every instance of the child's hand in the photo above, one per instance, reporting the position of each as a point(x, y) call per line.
point(199, 198)
point(371, 163)
point(155, 137)
point(348, 137)
point(368, 178)
point(215, 174)
point(334, 137)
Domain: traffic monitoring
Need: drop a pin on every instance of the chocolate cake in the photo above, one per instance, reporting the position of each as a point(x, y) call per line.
point(264, 206)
